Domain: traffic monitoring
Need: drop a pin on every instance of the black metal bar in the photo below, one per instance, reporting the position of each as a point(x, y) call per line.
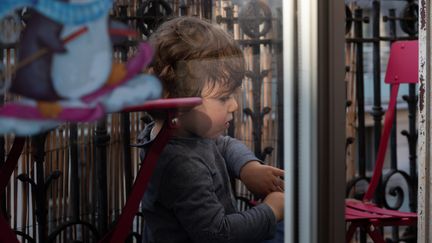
point(2, 151)
point(101, 140)
point(74, 176)
point(38, 145)
point(258, 41)
point(230, 28)
point(279, 93)
point(125, 121)
point(358, 33)
point(183, 8)
point(412, 143)
point(377, 111)
point(393, 137)
point(382, 38)
point(393, 146)
point(206, 8)
point(2, 161)
point(229, 18)
point(256, 94)
point(4, 46)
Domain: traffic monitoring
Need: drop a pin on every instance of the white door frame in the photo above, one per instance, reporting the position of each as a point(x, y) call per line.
point(314, 69)
point(424, 125)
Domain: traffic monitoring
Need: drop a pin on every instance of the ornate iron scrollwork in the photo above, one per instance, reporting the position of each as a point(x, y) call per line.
point(52, 237)
point(252, 16)
point(5, 81)
point(10, 29)
point(409, 18)
point(348, 19)
point(151, 14)
point(354, 184)
point(395, 190)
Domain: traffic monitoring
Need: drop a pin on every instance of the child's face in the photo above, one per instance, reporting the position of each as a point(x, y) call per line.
point(212, 117)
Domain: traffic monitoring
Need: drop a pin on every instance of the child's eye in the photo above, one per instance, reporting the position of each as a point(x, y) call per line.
point(224, 98)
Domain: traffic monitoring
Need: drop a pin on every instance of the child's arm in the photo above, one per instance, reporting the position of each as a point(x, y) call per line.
point(235, 153)
point(188, 190)
point(276, 202)
point(242, 164)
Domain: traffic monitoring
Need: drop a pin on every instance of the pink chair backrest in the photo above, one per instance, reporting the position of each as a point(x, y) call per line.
point(403, 63)
point(402, 68)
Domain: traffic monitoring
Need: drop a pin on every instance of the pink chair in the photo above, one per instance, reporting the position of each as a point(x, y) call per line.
point(402, 68)
point(123, 226)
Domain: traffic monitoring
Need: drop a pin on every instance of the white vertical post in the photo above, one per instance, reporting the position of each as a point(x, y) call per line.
point(307, 13)
point(424, 125)
point(305, 56)
point(289, 35)
point(304, 65)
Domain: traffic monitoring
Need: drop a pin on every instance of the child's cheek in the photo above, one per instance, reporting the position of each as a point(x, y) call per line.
point(200, 123)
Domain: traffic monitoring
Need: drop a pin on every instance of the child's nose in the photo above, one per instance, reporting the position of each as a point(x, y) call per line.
point(233, 106)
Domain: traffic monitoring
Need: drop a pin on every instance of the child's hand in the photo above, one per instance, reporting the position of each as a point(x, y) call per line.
point(262, 179)
point(276, 202)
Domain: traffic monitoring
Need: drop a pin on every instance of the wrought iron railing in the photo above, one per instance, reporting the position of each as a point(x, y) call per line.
point(72, 182)
point(392, 193)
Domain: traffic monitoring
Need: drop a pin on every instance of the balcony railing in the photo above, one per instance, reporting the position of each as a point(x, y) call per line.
point(72, 182)
point(370, 29)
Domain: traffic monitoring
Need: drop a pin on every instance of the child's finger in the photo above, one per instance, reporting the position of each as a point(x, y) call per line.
point(278, 172)
point(279, 183)
point(277, 188)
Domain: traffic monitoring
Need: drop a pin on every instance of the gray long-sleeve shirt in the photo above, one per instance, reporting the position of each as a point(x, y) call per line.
point(189, 198)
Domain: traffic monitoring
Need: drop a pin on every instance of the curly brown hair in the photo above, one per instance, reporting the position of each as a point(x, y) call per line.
point(190, 53)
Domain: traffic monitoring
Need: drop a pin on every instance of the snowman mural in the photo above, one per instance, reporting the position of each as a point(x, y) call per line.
point(66, 70)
